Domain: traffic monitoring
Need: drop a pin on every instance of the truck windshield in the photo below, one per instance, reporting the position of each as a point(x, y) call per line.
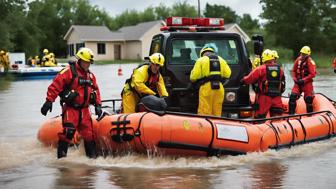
point(186, 51)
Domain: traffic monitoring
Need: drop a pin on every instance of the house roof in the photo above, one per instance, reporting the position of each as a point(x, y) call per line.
point(94, 33)
point(137, 31)
point(241, 31)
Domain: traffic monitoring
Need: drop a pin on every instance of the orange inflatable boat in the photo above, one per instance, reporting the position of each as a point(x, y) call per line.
point(174, 133)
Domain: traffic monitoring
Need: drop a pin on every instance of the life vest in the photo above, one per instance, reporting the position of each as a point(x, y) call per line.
point(302, 68)
point(70, 92)
point(214, 74)
point(274, 83)
point(150, 83)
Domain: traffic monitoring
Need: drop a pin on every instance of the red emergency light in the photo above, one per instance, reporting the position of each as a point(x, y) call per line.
point(193, 24)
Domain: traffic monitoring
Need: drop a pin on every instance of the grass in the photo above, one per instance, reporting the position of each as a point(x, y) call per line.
point(322, 60)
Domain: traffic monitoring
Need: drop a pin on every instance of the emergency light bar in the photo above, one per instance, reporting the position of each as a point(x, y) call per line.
point(193, 24)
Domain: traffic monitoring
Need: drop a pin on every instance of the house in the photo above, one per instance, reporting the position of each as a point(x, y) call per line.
point(234, 28)
point(130, 42)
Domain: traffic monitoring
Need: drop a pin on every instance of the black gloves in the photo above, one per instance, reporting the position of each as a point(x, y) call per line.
point(47, 106)
point(100, 113)
point(334, 70)
point(98, 110)
point(300, 82)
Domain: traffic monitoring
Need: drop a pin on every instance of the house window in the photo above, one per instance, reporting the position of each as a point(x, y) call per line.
point(101, 48)
point(79, 45)
point(71, 50)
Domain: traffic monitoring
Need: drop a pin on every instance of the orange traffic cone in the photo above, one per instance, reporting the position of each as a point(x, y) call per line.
point(120, 71)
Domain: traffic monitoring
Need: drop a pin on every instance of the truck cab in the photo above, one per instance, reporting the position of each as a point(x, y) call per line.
point(181, 42)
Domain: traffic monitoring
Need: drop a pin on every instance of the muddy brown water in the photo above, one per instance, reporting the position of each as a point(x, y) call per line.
point(25, 163)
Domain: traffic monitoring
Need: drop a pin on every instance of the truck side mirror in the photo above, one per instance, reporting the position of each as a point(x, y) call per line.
point(258, 44)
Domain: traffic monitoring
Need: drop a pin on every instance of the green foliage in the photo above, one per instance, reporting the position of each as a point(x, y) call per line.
point(31, 26)
point(221, 11)
point(246, 22)
point(323, 60)
point(301, 22)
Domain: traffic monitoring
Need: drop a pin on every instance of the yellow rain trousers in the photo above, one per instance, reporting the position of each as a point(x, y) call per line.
point(210, 100)
point(130, 95)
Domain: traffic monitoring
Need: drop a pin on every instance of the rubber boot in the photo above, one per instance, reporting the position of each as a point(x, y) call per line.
point(292, 107)
point(62, 149)
point(309, 107)
point(90, 149)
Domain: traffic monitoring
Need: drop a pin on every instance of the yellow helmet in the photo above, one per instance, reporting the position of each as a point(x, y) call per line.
point(85, 54)
point(52, 54)
point(207, 48)
point(157, 58)
point(45, 51)
point(267, 55)
point(2, 52)
point(36, 57)
point(305, 50)
point(275, 53)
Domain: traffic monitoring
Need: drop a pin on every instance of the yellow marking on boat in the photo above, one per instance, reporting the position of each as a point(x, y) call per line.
point(186, 125)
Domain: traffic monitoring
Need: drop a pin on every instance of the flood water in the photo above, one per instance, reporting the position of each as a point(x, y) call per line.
point(25, 163)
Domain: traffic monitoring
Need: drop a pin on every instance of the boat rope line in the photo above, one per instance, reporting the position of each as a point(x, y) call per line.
point(277, 137)
point(242, 120)
point(332, 123)
point(137, 132)
point(303, 129)
point(293, 134)
point(211, 151)
point(329, 125)
point(184, 146)
point(327, 98)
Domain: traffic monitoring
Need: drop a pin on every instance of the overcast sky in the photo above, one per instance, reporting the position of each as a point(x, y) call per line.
point(115, 7)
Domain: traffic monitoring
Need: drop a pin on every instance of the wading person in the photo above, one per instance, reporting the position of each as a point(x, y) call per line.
point(209, 73)
point(4, 60)
point(271, 84)
point(145, 80)
point(77, 88)
point(303, 73)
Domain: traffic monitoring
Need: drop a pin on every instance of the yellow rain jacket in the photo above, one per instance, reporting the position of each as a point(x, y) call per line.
point(130, 94)
point(4, 60)
point(47, 61)
point(210, 100)
point(256, 63)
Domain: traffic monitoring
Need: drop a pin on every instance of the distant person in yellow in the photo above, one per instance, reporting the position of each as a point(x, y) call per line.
point(37, 61)
point(145, 80)
point(209, 72)
point(47, 59)
point(53, 58)
point(4, 60)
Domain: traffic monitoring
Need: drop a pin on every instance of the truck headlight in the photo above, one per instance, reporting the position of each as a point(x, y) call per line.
point(230, 96)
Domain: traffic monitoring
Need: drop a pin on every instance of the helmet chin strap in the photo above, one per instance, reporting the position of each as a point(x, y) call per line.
point(80, 65)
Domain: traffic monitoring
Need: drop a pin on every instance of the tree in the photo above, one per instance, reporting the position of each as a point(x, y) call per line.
point(248, 24)
point(184, 9)
point(221, 11)
point(301, 22)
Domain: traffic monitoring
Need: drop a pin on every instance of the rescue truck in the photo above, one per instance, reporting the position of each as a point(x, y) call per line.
point(181, 41)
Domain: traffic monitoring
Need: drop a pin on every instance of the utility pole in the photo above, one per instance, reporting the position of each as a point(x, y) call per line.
point(199, 9)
